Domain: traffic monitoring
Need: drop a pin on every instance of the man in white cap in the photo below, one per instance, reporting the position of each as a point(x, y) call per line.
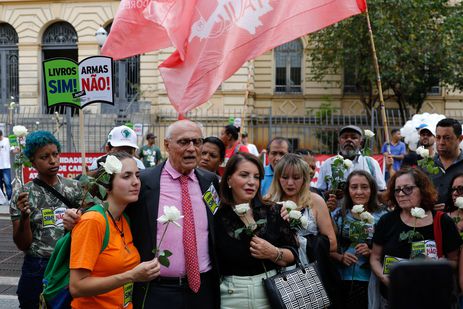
point(427, 140)
point(120, 138)
point(350, 143)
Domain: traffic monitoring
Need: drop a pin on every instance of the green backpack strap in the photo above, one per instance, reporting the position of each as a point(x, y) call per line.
point(102, 211)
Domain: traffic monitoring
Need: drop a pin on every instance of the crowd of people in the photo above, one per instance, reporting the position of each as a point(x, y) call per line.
point(233, 227)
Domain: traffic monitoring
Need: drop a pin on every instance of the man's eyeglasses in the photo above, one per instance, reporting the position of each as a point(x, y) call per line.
point(407, 190)
point(458, 190)
point(185, 142)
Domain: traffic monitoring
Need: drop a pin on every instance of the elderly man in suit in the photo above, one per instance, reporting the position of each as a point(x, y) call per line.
point(191, 280)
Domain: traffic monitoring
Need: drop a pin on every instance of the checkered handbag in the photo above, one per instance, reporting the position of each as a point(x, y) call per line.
point(296, 289)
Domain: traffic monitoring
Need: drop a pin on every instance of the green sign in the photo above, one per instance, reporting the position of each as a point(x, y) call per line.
point(78, 84)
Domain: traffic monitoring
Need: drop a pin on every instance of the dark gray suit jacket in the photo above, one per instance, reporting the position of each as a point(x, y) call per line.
point(144, 213)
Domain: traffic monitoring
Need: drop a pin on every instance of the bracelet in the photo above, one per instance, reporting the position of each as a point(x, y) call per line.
point(279, 255)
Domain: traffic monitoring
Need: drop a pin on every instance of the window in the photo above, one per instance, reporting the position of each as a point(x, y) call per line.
point(9, 78)
point(288, 67)
point(126, 79)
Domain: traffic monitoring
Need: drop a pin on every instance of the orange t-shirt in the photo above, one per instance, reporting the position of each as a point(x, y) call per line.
point(87, 239)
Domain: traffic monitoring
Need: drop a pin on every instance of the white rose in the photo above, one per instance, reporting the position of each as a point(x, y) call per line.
point(112, 165)
point(339, 157)
point(171, 214)
point(418, 212)
point(290, 205)
point(242, 209)
point(304, 222)
point(369, 133)
point(357, 209)
point(12, 105)
point(347, 163)
point(423, 152)
point(367, 217)
point(295, 214)
point(459, 202)
point(19, 131)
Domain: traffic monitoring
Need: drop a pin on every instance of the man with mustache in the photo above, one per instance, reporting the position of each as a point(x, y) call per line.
point(449, 157)
point(350, 143)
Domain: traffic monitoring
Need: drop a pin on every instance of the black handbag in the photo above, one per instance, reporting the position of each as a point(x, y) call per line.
point(300, 287)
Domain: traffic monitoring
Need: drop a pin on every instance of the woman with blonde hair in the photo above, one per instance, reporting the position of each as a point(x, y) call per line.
point(291, 182)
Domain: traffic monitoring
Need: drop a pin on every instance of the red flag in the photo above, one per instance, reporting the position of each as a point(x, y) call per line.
point(226, 33)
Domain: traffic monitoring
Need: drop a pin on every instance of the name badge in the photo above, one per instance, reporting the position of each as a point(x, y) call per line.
point(389, 262)
point(211, 197)
point(59, 216)
point(424, 248)
point(128, 290)
point(48, 218)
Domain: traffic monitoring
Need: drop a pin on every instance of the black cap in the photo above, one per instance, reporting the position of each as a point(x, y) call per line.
point(150, 135)
point(351, 128)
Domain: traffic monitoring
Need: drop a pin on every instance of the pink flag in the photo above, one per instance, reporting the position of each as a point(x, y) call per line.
point(226, 33)
point(132, 34)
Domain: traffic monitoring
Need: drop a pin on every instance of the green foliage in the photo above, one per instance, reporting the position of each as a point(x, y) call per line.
point(429, 165)
point(250, 229)
point(411, 236)
point(338, 169)
point(418, 43)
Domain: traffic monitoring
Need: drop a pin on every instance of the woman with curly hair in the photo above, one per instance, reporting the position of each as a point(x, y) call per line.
point(408, 231)
point(37, 213)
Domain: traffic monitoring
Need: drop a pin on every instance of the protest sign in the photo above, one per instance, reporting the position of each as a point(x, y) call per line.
point(78, 84)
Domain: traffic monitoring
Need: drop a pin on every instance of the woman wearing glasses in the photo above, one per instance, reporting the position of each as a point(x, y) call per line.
point(403, 234)
point(455, 210)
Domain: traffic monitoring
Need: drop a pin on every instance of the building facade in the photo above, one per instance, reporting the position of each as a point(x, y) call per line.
point(277, 83)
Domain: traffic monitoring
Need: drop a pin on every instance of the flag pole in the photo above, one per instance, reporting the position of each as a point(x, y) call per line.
point(378, 81)
point(246, 94)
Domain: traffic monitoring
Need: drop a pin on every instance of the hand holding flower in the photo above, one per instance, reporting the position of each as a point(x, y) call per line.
point(262, 249)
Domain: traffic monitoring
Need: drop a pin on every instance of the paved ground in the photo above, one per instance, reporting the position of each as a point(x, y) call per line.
point(10, 262)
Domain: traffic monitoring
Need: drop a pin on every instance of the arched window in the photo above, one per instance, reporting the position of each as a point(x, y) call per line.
point(59, 40)
point(126, 78)
point(9, 77)
point(288, 67)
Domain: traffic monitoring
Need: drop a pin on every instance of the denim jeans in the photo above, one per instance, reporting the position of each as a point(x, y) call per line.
point(30, 282)
point(5, 178)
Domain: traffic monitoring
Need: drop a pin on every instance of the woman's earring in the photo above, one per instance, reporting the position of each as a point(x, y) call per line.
point(229, 187)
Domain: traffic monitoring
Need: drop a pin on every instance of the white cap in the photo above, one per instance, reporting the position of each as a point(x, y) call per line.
point(122, 136)
point(424, 126)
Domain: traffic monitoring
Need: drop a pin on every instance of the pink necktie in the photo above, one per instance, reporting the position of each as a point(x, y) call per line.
point(189, 238)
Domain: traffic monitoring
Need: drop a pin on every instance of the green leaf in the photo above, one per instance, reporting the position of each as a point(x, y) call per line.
point(167, 253)
point(164, 260)
point(238, 232)
point(84, 180)
point(105, 178)
point(102, 191)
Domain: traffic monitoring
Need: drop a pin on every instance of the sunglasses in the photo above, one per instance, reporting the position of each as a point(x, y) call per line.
point(407, 190)
point(458, 190)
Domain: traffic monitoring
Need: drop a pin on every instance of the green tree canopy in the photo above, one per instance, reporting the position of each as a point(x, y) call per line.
point(419, 45)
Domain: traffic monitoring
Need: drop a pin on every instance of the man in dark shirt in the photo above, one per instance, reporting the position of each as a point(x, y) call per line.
point(449, 157)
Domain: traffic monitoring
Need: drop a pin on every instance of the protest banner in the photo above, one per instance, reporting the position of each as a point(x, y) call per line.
point(70, 165)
